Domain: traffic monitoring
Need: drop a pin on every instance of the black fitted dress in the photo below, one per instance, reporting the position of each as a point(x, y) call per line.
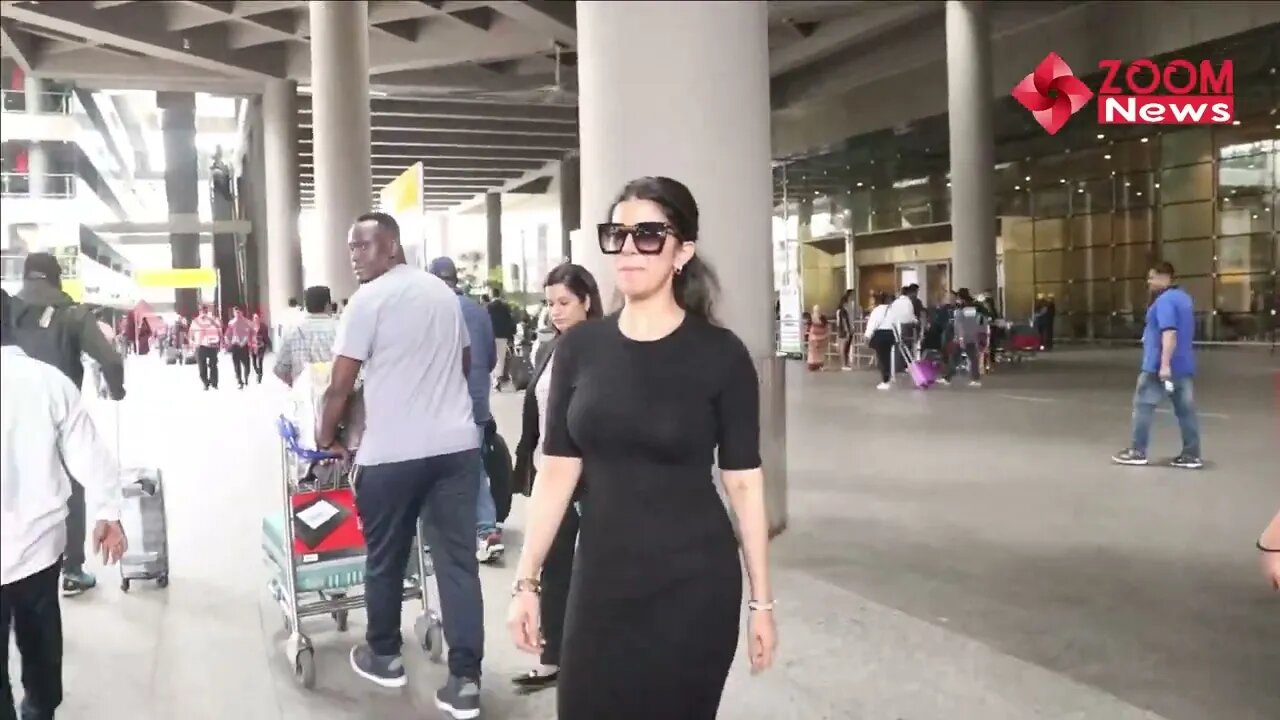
point(656, 595)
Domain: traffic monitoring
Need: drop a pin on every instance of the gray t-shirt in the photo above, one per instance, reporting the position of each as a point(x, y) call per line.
point(407, 329)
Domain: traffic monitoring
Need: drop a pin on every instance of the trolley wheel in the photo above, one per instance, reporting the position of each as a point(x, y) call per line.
point(430, 636)
point(304, 668)
point(341, 618)
point(162, 581)
point(124, 584)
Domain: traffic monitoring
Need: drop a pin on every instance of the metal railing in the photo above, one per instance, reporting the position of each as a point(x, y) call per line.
point(56, 185)
point(52, 103)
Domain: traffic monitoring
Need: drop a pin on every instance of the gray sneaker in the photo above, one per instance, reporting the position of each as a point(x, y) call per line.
point(384, 670)
point(460, 698)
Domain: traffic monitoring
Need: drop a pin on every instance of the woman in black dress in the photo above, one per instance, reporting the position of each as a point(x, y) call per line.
point(641, 404)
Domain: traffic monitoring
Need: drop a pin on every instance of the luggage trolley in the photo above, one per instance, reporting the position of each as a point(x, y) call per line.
point(315, 547)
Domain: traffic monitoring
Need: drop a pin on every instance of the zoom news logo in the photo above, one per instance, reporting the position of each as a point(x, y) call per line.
point(1140, 92)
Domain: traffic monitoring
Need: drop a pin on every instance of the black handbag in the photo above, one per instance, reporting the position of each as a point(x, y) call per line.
point(497, 465)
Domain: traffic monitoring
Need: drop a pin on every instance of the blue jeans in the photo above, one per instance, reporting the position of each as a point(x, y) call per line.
point(391, 497)
point(1148, 394)
point(486, 511)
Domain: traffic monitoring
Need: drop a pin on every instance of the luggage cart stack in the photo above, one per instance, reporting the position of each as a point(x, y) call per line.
point(315, 551)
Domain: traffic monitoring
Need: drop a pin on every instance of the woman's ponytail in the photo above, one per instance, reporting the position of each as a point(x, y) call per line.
point(697, 289)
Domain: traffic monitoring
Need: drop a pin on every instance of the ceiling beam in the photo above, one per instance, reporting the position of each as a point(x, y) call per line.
point(410, 138)
point(558, 20)
point(390, 123)
point(23, 47)
point(463, 109)
point(834, 35)
point(143, 28)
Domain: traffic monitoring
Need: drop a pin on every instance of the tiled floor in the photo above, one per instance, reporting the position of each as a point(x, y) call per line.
point(953, 555)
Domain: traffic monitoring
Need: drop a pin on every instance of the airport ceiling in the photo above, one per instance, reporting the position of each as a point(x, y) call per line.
point(484, 93)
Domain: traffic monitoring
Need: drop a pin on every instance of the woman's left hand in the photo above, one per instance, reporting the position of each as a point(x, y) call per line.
point(762, 642)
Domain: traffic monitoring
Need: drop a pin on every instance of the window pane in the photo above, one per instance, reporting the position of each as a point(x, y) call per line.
point(1014, 202)
point(1130, 296)
point(1133, 226)
point(1190, 257)
point(1245, 254)
point(1193, 182)
point(1133, 155)
point(1242, 293)
point(1019, 268)
point(1185, 147)
point(1200, 289)
point(1049, 266)
point(1019, 301)
point(1237, 216)
point(1017, 234)
point(1051, 234)
point(1097, 263)
point(1135, 190)
point(1093, 196)
point(1074, 264)
point(1132, 261)
point(1090, 230)
point(1250, 175)
point(1097, 296)
point(1188, 220)
point(1051, 202)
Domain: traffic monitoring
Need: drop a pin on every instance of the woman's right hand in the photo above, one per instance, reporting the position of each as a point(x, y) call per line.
point(524, 622)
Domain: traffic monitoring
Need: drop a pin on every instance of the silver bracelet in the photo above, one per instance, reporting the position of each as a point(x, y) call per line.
point(759, 606)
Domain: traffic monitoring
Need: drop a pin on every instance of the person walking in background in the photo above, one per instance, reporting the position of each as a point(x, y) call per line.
point(845, 315)
point(489, 547)
point(1168, 366)
point(259, 344)
point(572, 297)
point(206, 335)
point(52, 328)
point(881, 339)
point(504, 334)
point(310, 341)
point(404, 329)
point(966, 332)
point(903, 316)
point(47, 437)
point(819, 338)
point(640, 403)
point(238, 337)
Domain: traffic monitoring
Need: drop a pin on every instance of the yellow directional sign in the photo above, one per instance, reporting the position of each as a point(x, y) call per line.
point(177, 278)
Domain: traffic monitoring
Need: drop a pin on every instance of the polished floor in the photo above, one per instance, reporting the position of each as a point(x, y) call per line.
point(954, 554)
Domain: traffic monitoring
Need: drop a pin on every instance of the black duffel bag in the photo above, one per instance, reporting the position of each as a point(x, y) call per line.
point(497, 465)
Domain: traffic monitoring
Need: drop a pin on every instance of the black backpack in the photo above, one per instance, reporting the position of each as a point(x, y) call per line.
point(52, 335)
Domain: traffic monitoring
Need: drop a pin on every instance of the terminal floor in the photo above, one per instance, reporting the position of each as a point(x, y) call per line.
point(954, 554)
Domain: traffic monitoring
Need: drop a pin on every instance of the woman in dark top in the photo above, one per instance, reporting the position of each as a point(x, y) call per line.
point(572, 298)
point(641, 404)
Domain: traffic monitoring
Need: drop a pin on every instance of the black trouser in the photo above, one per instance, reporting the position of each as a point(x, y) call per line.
point(557, 568)
point(883, 342)
point(30, 607)
point(390, 498)
point(240, 361)
point(258, 354)
point(207, 359)
point(73, 555)
point(975, 360)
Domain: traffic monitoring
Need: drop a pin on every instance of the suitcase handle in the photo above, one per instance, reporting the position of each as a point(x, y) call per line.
point(289, 434)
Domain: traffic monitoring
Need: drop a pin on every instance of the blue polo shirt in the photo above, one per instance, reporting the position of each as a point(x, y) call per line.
point(484, 356)
point(1170, 310)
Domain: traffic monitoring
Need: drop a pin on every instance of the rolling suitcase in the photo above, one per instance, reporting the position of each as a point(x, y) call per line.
point(145, 527)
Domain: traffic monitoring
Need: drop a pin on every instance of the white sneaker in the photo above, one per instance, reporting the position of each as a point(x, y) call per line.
point(975, 383)
point(883, 386)
point(943, 381)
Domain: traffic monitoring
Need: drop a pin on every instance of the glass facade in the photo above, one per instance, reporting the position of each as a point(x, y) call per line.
point(1082, 215)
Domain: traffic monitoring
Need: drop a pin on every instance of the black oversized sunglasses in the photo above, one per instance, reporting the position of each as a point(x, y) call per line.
point(648, 237)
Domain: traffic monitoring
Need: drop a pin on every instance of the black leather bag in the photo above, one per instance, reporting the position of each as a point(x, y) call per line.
point(497, 465)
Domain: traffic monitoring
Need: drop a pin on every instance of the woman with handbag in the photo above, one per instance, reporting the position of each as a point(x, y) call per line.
point(572, 296)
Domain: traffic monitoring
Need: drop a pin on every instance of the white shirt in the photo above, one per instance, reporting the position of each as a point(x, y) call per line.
point(542, 393)
point(902, 311)
point(406, 328)
point(46, 434)
point(878, 320)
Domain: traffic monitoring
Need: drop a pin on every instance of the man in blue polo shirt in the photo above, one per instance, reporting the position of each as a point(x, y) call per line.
point(1168, 365)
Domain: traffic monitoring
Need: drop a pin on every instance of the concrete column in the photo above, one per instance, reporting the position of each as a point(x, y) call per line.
point(37, 158)
point(182, 186)
point(340, 137)
point(969, 93)
point(279, 146)
point(715, 56)
point(493, 235)
point(570, 204)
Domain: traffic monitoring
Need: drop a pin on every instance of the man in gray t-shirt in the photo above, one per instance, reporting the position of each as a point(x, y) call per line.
point(404, 328)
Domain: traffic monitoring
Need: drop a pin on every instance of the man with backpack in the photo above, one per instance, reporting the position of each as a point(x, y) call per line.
point(51, 327)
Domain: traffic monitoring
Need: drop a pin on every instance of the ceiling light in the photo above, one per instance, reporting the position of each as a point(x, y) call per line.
point(1027, 178)
point(1106, 157)
point(1144, 139)
point(1017, 187)
point(1101, 136)
point(1235, 122)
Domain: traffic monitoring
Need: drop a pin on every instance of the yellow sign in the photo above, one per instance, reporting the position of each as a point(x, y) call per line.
point(74, 289)
point(177, 278)
point(404, 194)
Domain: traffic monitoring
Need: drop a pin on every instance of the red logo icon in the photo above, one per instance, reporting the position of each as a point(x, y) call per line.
point(1052, 93)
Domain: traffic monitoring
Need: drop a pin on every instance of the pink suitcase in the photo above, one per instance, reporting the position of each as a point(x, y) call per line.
point(923, 373)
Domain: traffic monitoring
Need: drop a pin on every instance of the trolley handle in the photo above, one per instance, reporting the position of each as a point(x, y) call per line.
point(289, 434)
